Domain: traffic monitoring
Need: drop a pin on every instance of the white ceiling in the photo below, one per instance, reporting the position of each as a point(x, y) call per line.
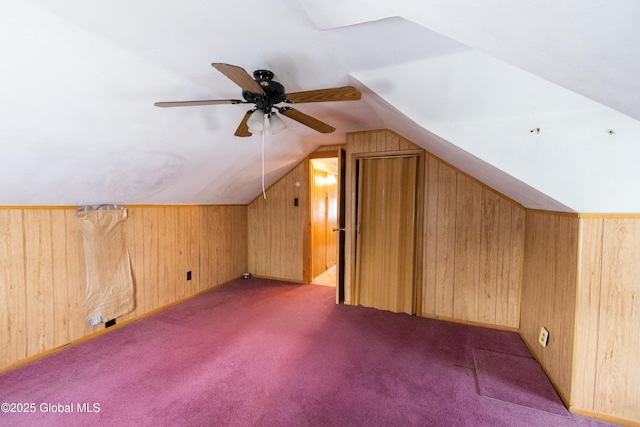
point(467, 81)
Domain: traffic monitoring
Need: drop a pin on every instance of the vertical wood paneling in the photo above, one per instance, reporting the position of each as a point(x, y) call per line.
point(516, 263)
point(134, 232)
point(151, 273)
point(567, 247)
point(188, 244)
point(223, 244)
point(211, 242)
point(617, 388)
point(446, 238)
point(279, 199)
point(587, 313)
point(430, 237)
point(39, 280)
point(166, 254)
point(279, 230)
point(489, 244)
point(60, 274)
point(178, 252)
point(503, 280)
point(473, 240)
point(42, 276)
point(389, 141)
point(129, 235)
point(78, 326)
point(607, 342)
point(548, 292)
point(237, 263)
point(467, 249)
point(13, 310)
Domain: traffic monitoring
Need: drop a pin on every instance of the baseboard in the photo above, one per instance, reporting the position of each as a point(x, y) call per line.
point(280, 279)
point(603, 417)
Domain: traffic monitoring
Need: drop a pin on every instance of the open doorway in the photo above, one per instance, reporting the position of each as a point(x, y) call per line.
point(324, 194)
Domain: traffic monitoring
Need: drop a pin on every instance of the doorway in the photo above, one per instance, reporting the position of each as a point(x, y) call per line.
point(324, 220)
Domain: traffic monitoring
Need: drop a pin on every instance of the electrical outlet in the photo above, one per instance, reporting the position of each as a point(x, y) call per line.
point(543, 339)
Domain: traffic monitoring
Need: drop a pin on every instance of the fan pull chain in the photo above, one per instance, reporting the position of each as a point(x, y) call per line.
point(264, 194)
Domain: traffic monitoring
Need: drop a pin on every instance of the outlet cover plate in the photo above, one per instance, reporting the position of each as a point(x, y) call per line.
point(543, 339)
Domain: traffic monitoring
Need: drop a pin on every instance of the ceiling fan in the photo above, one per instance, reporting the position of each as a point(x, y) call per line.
point(265, 93)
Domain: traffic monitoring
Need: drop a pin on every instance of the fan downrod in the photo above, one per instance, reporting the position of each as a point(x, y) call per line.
point(261, 75)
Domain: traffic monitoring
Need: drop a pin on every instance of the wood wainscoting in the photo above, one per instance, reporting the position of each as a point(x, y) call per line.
point(473, 250)
point(606, 372)
point(548, 292)
point(278, 229)
point(42, 272)
point(472, 239)
point(581, 283)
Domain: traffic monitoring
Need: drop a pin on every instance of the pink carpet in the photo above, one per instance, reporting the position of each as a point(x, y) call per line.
point(516, 379)
point(267, 353)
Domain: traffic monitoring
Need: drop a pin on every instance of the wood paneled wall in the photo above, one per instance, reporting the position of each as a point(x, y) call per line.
point(606, 370)
point(473, 254)
point(549, 292)
point(223, 244)
point(42, 270)
point(472, 240)
point(278, 231)
point(362, 143)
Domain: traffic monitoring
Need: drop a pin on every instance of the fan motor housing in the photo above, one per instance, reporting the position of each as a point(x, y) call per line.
point(274, 91)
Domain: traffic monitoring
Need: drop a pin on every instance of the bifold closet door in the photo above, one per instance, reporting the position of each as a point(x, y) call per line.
point(385, 235)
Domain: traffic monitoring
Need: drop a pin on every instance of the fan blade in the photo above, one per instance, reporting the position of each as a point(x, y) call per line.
point(306, 120)
point(192, 103)
point(346, 93)
point(243, 128)
point(240, 77)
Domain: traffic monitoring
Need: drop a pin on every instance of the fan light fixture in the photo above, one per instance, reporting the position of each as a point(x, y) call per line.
point(276, 123)
point(260, 122)
point(256, 122)
point(266, 93)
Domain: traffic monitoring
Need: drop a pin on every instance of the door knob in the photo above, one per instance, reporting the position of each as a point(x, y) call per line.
point(337, 229)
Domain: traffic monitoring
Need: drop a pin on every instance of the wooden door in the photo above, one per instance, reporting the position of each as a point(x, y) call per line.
point(341, 221)
point(386, 212)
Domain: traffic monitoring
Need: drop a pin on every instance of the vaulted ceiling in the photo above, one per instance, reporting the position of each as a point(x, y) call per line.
point(538, 99)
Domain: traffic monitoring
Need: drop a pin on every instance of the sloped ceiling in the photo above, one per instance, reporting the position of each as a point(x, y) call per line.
point(538, 99)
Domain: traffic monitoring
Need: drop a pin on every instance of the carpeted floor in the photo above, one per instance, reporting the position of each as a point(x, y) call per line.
point(267, 353)
point(516, 379)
